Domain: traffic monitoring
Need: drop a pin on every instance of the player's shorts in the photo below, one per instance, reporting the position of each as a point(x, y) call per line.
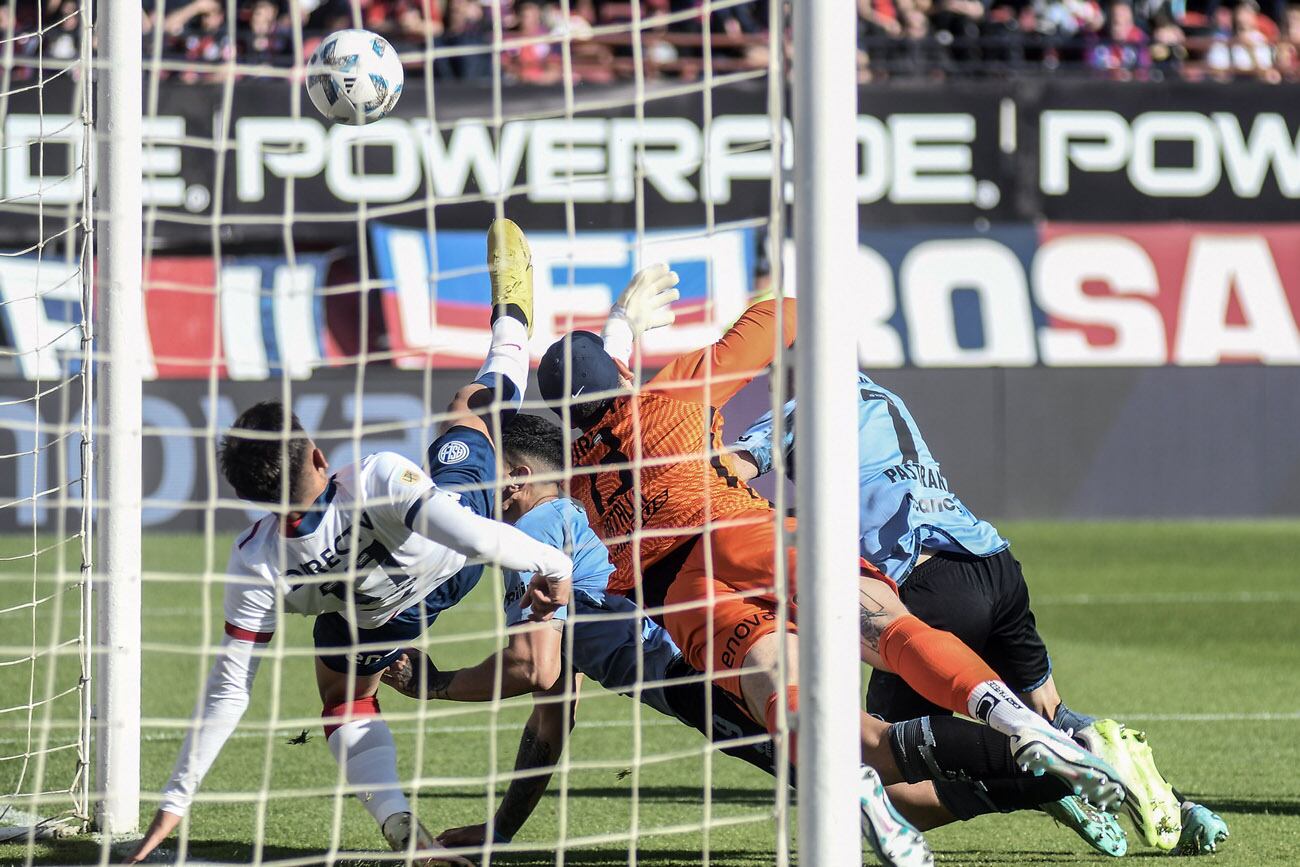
point(728, 591)
point(463, 461)
point(984, 601)
point(606, 637)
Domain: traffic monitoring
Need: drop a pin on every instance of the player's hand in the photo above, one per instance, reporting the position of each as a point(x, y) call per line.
point(468, 835)
point(645, 303)
point(403, 673)
point(159, 829)
point(544, 597)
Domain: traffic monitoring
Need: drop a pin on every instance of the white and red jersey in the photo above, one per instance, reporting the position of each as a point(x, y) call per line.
point(378, 540)
point(354, 553)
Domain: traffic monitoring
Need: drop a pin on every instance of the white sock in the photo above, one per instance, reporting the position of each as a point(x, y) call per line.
point(993, 702)
point(365, 749)
point(507, 356)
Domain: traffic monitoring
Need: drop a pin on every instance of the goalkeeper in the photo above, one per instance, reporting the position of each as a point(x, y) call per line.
point(375, 550)
point(956, 572)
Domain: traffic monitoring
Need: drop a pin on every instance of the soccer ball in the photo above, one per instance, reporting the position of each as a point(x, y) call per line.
point(354, 77)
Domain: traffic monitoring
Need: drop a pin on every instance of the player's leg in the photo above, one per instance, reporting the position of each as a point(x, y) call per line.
point(504, 374)
point(738, 640)
point(1017, 651)
point(358, 737)
point(943, 597)
point(947, 672)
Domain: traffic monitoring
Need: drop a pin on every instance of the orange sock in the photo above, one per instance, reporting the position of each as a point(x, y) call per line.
point(769, 716)
point(933, 662)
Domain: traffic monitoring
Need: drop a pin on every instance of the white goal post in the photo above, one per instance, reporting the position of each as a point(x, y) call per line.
point(120, 342)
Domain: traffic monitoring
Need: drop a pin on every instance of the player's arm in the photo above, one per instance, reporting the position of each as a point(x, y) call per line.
point(404, 495)
point(530, 661)
point(220, 708)
point(713, 375)
point(644, 305)
point(540, 747)
point(751, 455)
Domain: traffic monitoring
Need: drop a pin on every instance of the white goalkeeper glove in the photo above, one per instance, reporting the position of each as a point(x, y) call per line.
point(644, 305)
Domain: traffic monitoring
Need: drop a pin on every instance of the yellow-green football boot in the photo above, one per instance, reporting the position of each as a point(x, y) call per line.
point(510, 268)
point(1151, 804)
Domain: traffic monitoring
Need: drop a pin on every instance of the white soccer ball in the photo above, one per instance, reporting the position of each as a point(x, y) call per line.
point(354, 77)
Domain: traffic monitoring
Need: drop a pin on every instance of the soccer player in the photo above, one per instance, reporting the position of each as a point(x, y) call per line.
point(705, 544)
point(956, 572)
point(969, 766)
point(375, 550)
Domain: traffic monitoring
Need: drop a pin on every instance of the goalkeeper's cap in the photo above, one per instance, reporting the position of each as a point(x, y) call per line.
point(592, 377)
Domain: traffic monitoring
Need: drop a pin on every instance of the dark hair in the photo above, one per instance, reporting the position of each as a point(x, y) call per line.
point(531, 439)
point(252, 465)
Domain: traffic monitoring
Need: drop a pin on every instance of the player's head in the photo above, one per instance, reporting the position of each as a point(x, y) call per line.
point(532, 455)
point(578, 371)
point(254, 449)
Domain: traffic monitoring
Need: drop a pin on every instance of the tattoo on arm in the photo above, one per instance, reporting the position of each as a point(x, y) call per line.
point(523, 793)
point(871, 620)
point(438, 682)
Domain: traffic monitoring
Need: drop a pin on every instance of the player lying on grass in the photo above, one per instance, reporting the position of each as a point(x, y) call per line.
point(722, 589)
point(375, 550)
point(957, 573)
point(970, 765)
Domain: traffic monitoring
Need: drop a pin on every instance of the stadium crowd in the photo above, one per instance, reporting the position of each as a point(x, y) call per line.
point(1122, 39)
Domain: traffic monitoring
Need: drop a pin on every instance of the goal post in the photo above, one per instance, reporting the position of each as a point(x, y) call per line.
point(119, 326)
point(826, 240)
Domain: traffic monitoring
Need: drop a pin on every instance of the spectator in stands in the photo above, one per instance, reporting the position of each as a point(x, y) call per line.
point(536, 62)
point(1069, 18)
point(467, 26)
point(263, 39)
point(197, 31)
point(1121, 49)
point(63, 42)
point(1168, 44)
point(1253, 50)
point(957, 23)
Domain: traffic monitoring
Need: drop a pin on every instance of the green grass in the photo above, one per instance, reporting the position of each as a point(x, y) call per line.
point(1190, 631)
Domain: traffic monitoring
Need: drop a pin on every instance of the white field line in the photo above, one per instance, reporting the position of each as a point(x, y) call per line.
point(1248, 597)
point(178, 734)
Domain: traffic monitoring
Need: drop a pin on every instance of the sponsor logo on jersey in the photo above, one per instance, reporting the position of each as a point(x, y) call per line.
point(453, 452)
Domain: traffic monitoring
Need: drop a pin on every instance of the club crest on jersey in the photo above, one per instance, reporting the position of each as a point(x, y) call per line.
point(410, 477)
point(453, 452)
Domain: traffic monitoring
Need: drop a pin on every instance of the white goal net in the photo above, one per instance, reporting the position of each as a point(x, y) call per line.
point(341, 271)
point(46, 273)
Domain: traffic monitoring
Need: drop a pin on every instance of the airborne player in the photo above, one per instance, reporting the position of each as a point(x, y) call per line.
point(375, 550)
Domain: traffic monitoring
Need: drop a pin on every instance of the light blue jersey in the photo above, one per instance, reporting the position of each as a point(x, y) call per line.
point(608, 636)
point(562, 524)
point(905, 504)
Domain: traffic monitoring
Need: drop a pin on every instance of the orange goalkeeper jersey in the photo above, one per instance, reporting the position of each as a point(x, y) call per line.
point(672, 431)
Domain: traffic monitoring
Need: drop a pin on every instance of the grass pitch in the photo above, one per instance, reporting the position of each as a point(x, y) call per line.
point(1190, 631)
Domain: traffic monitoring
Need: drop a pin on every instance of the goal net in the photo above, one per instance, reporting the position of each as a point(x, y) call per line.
point(341, 270)
point(45, 418)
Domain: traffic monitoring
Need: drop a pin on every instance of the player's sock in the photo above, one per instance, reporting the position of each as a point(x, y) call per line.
point(505, 370)
point(770, 720)
point(1070, 720)
point(364, 747)
point(934, 663)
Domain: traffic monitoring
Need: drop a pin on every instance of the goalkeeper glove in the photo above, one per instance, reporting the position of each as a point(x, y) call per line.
point(643, 306)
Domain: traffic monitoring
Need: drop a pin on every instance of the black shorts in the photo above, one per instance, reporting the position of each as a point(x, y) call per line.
point(983, 601)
